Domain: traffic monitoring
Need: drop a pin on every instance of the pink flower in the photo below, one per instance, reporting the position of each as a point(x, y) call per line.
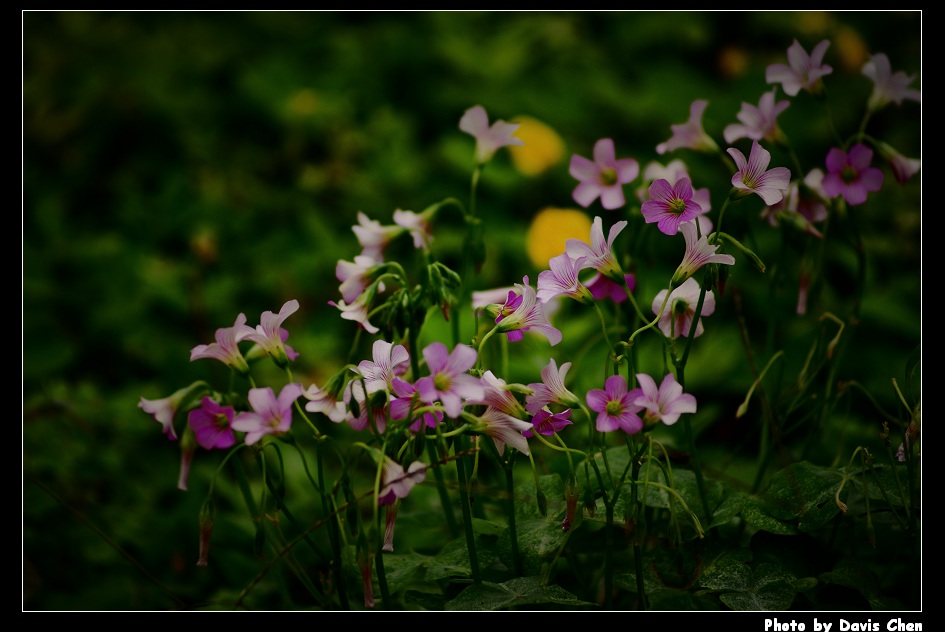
point(690, 135)
point(562, 280)
point(496, 394)
point(615, 407)
point(604, 177)
point(757, 123)
point(698, 253)
point(551, 389)
point(903, 168)
point(523, 312)
point(358, 311)
point(802, 205)
point(371, 411)
point(680, 310)
point(374, 237)
point(164, 410)
point(670, 205)
point(504, 429)
point(804, 72)
point(418, 225)
point(665, 403)
point(674, 171)
point(389, 361)
point(355, 276)
point(225, 348)
point(449, 381)
point(323, 401)
point(269, 415)
point(475, 122)
point(405, 404)
point(753, 175)
point(398, 482)
point(850, 174)
point(888, 86)
point(547, 423)
point(211, 424)
point(599, 254)
point(270, 335)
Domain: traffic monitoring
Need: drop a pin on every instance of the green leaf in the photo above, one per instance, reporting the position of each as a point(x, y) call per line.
point(521, 591)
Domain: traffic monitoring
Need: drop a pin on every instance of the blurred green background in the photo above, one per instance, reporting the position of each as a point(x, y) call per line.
point(182, 167)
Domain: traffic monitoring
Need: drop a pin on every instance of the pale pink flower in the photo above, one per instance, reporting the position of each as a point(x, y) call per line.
point(489, 139)
point(665, 403)
point(599, 254)
point(269, 415)
point(164, 410)
point(903, 168)
point(389, 361)
point(698, 253)
point(374, 237)
point(680, 310)
point(805, 72)
point(504, 429)
point(418, 225)
point(398, 482)
point(803, 204)
point(523, 312)
point(753, 175)
point(322, 401)
point(271, 336)
point(603, 177)
point(226, 349)
point(357, 311)
point(355, 276)
point(690, 135)
point(562, 280)
point(757, 122)
point(551, 389)
point(888, 86)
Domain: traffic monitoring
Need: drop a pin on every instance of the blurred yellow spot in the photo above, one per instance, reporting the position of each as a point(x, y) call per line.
point(542, 150)
point(851, 49)
point(732, 61)
point(303, 103)
point(814, 23)
point(549, 230)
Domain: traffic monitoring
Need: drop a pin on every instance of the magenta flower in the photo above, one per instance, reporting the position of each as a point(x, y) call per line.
point(757, 122)
point(698, 253)
point(603, 177)
point(615, 407)
point(405, 404)
point(665, 403)
point(269, 415)
point(551, 389)
point(850, 174)
point(449, 381)
point(805, 72)
point(599, 254)
point(489, 139)
point(374, 237)
point(547, 423)
point(562, 280)
point(355, 276)
point(270, 335)
point(690, 135)
point(674, 171)
point(753, 175)
point(601, 287)
point(680, 310)
point(903, 168)
point(398, 482)
point(211, 424)
point(225, 349)
point(887, 85)
point(523, 312)
point(670, 205)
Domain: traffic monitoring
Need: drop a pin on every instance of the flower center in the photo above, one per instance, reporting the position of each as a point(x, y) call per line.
point(614, 408)
point(221, 421)
point(608, 176)
point(848, 174)
point(677, 206)
point(442, 382)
